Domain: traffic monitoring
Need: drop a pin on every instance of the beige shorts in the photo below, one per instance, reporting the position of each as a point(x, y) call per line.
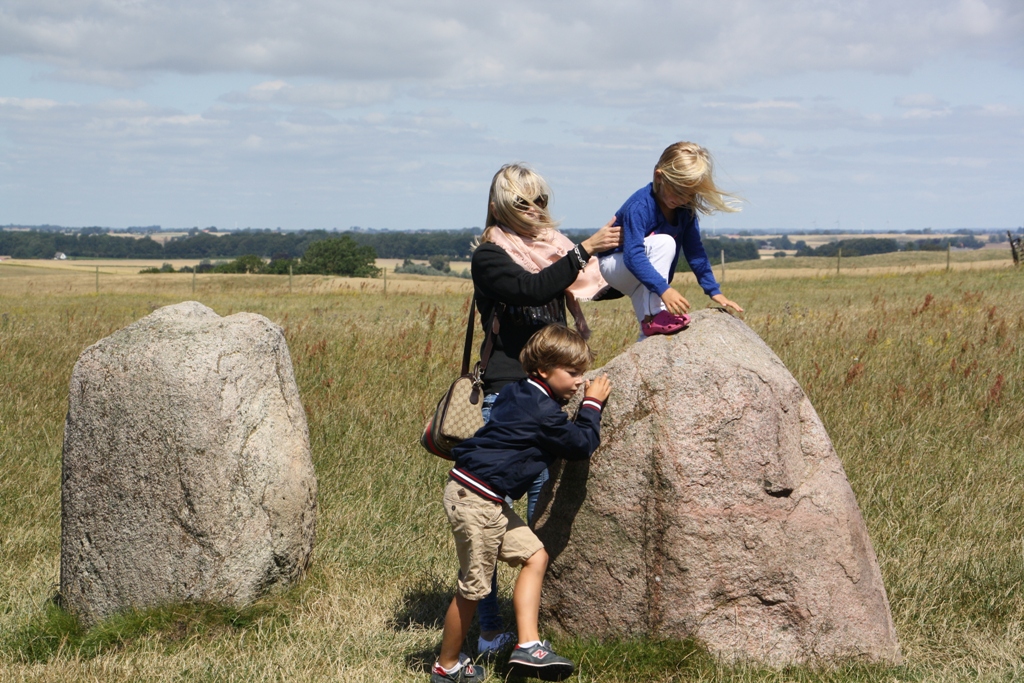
point(485, 532)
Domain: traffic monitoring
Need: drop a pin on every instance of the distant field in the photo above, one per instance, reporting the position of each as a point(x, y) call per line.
point(741, 271)
point(915, 373)
point(896, 263)
point(390, 263)
point(818, 240)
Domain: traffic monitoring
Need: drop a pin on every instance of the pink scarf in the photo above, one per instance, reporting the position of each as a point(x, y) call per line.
point(536, 254)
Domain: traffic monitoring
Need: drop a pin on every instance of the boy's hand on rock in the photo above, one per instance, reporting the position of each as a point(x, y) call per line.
point(599, 388)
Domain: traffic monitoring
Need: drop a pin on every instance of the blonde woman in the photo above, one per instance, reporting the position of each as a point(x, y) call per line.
point(657, 221)
point(527, 274)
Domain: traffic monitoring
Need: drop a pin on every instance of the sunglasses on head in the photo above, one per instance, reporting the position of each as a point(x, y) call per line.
point(540, 201)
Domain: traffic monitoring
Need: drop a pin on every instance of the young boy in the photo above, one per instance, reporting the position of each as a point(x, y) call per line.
point(526, 432)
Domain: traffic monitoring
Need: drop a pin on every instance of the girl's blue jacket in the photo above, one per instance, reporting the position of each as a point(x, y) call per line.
point(640, 217)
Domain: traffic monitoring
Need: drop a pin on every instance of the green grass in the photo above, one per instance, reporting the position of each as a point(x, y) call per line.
point(904, 370)
point(54, 633)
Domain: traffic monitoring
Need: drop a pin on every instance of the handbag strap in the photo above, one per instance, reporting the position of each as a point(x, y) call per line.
point(485, 353)
point(468, 348)
point(492, 332)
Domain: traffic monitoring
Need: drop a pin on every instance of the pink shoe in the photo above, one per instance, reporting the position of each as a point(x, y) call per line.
point(665, 323)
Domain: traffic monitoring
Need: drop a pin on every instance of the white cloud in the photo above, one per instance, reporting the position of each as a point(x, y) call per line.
point(28, 104)
point(457, 44)
point(920, 101)
point(753, 141)
point(973, 163)
point(782, 177)
point(326, 95)
point(318, 111)
point(976, 17)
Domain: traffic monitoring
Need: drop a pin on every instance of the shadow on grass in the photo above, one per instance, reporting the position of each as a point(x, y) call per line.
point(56, 633)
point(424, 604)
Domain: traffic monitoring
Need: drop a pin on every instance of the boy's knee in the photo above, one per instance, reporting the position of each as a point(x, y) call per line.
point(538, 559)
point(464, 603)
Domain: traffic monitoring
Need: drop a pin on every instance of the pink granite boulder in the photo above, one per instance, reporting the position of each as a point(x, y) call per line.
point(716, 508)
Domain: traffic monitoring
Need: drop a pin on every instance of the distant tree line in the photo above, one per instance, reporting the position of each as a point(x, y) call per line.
point(40, 244)
point(451, 244)
point(280, 247)
point(854, 247)
point(437, 265)
point(875, 245)
point(735, 250)
point(334, 256)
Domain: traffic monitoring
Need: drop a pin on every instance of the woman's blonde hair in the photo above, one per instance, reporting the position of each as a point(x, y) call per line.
point(515, 189)
point(688, 169)
point(555, 346)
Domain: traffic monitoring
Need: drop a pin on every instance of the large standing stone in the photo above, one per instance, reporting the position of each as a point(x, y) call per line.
point(715, 508)
point(187, 473)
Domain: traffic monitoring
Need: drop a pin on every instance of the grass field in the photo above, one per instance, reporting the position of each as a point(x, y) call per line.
point(916, 375)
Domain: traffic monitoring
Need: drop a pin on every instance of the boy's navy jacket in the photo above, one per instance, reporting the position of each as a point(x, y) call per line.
point(528, 429)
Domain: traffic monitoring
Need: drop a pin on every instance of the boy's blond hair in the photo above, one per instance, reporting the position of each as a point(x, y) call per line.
point(689, 170)
point(515, 190)
point(555, 346)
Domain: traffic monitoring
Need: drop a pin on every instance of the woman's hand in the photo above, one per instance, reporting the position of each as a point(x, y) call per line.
point(608, 237)
point(675, 302)
point(598, 388)
point(726, 303)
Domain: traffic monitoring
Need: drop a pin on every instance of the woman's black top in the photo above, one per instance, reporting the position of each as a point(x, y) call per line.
point(531, 301)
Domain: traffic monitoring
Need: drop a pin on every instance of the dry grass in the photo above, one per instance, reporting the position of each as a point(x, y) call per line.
point(916, 377)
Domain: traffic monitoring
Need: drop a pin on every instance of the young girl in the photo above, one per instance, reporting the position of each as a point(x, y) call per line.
point(656, 221)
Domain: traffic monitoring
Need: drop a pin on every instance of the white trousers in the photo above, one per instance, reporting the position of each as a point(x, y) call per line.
point(660, 250)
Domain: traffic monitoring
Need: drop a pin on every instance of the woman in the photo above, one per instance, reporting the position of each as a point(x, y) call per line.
point(527, 273)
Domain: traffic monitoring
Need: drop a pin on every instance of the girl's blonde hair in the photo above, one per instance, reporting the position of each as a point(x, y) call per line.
point(516, 189)
point(688, 169)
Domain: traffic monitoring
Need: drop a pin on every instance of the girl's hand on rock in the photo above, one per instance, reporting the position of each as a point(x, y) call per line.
point(726, 303)
point(675, 302)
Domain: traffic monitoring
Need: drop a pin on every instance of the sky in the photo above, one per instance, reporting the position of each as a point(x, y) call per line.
point(395, 114)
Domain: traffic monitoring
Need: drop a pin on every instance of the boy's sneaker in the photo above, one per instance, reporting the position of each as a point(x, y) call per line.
point(502, 641)
point(467, 673)
point(540, 661)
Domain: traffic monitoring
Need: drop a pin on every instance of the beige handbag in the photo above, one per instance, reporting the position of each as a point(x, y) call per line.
point(457, 416)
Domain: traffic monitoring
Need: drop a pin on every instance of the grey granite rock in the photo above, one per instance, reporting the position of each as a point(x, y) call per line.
point(187, 474)
point(715, 508)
